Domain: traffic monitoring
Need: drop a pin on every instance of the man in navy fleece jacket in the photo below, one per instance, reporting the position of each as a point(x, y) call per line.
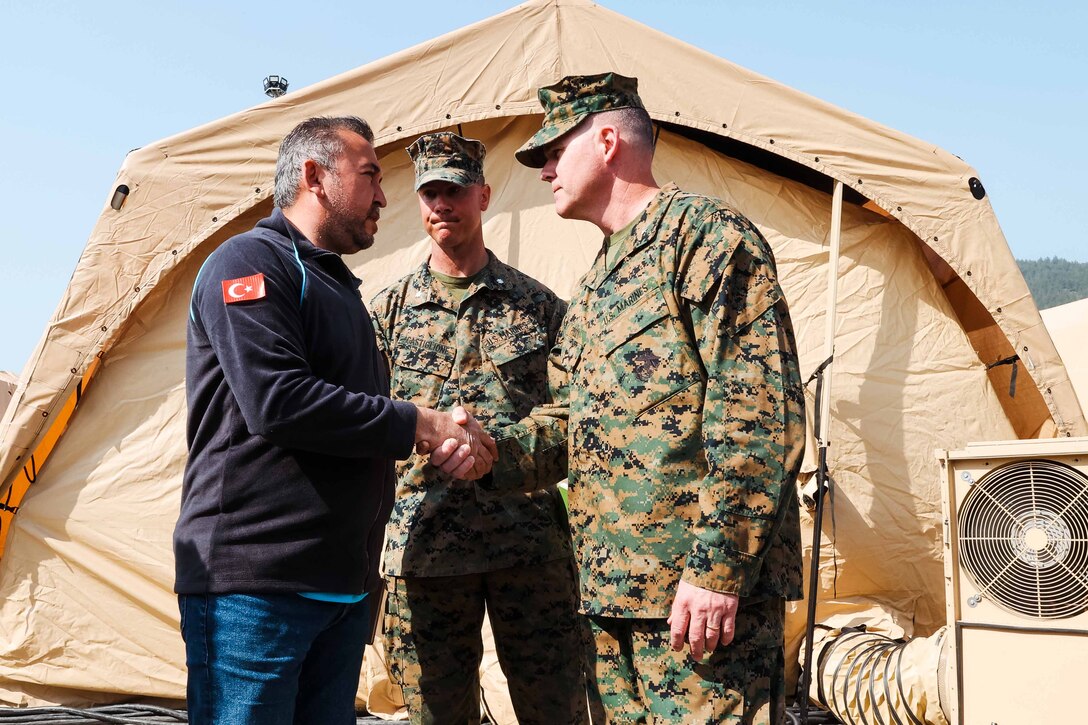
point(292, 438)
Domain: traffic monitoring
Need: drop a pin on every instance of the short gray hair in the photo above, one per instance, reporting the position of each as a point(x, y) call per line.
point(315, 139)
point(637, 123)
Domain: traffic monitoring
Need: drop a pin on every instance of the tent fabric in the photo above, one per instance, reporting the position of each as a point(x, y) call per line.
point(8, 383)
point(929, 296)
point(1068, 327)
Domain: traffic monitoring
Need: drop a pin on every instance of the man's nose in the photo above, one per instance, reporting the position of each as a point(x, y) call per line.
point(379, 196)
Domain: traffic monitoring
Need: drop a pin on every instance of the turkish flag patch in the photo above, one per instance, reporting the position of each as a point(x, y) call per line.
point(243, 288)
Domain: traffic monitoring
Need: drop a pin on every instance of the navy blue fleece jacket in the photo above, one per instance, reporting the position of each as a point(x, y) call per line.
point(291, 432)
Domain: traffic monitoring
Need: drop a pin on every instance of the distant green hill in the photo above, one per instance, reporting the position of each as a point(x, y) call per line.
point(1054, 281)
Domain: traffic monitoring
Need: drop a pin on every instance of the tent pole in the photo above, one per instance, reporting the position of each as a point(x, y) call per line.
point(832, 311)
point(823, 427)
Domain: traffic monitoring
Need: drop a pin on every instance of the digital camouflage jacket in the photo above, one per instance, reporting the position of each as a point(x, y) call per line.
point(677, 389)
point(489, 355)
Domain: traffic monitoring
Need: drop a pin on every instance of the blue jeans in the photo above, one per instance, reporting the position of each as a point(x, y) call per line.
point(272, 658)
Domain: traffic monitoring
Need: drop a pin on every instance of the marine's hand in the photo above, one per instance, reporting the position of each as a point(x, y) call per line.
point(703, 618)
point(486, 454)
point(456, 442)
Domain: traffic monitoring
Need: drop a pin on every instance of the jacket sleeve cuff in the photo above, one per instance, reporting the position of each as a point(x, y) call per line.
point(402, 438)
point(721, 570)
point(530, 457)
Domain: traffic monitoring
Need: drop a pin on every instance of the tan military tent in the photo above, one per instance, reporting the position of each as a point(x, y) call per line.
point(8, 383)
point(929, 297)
point(1068, 326)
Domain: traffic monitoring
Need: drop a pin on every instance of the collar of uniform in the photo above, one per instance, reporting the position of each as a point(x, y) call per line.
point(642, 233)
point(425, 288)
point(331, 261)
point(495, 275)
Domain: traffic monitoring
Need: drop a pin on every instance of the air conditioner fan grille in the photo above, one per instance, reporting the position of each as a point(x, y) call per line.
point(1023, 533)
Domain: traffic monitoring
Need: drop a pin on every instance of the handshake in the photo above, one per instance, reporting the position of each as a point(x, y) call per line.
point(457, 443)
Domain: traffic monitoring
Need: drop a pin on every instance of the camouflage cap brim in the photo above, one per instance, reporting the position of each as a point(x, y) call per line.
point(532, 153)
point(460, 177)
point(568, 102)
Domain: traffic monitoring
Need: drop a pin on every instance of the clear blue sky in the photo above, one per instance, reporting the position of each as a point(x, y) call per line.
point(1003, 85)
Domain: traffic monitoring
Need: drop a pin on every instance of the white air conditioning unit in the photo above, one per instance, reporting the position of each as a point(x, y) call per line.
point(1016, 573)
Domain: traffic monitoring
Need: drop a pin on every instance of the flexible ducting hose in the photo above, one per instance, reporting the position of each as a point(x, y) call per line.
point(866, 678)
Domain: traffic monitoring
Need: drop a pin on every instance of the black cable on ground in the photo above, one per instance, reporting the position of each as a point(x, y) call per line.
point(120, 714)
point(815, 716)
point(124, 714)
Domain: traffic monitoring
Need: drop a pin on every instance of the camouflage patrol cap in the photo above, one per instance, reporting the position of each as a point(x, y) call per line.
point(445, 156)
point(570, 101)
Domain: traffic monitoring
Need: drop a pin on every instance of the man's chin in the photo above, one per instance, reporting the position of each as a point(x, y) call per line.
point(359, 242)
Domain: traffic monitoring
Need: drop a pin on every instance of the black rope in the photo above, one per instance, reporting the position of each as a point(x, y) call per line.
point(6, 505)
point(32, 475)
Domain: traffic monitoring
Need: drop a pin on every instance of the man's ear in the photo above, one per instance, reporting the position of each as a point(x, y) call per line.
point(313, 177)
point(485, 197)
point(607, 141)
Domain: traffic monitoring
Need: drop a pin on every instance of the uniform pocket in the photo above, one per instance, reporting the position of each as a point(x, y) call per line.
point(648, 353)
point(519, 357)
point(508, 346)
point(420, 367)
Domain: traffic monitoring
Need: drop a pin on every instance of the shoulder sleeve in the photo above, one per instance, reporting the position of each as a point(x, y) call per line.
point(753, 411)
point(381, 313)
point(557, 310)
point(728, 255)
point(259, 345)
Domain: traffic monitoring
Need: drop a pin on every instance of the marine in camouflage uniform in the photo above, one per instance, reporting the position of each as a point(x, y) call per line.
point(677, 391)
point(478, 339)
